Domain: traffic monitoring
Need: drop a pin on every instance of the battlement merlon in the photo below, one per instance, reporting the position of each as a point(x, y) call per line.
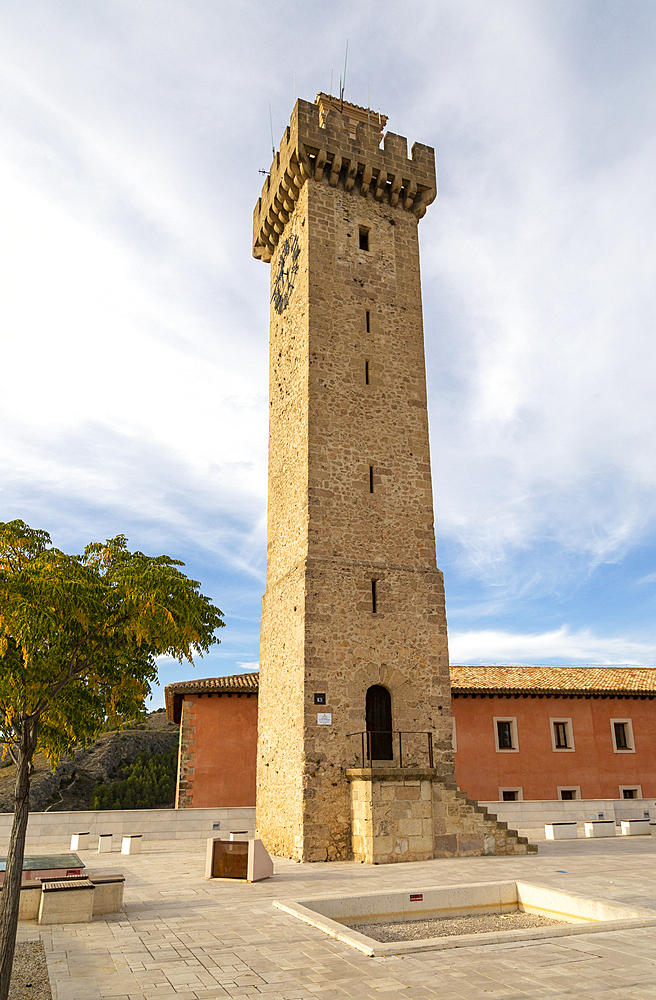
point(340, 153)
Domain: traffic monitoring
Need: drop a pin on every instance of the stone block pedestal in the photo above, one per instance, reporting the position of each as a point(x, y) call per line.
point(416, 814)
point(560, 831)
point(131, 844)
point(635, 827)
point(600, 828)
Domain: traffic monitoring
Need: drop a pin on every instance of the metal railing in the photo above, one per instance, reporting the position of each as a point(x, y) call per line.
point(373, 741)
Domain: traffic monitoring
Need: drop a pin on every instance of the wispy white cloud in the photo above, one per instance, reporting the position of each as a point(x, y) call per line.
point(492, 646)
point(134, 321)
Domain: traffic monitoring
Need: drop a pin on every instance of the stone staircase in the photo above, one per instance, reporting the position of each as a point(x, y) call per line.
point(462, 828)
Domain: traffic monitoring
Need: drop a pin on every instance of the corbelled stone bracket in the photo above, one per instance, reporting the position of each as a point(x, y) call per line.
point(327, 153)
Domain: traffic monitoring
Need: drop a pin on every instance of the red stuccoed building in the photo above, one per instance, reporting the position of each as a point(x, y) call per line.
point(519, 733)
point(555, 732)
point(218, 740)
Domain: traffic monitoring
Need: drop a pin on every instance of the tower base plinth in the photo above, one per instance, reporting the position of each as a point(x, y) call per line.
point(417, 814)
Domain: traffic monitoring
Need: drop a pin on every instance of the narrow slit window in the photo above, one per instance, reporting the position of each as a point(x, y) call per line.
point(371, 478)
point(366, 373)
point(364, 238)
point(368, 318)
point(374, 597)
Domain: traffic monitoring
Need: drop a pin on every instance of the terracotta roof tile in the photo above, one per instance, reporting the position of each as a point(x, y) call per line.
point(545, 680)
point(174, 693)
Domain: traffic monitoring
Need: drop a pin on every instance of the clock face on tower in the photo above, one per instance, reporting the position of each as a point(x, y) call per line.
point(285, 276)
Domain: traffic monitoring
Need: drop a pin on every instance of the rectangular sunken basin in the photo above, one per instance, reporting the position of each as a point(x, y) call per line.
point(577, 914)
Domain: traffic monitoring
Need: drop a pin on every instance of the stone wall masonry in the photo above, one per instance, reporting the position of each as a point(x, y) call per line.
point(184, 798)
point(324, 149)
point(154, 824)
point(347, 394)
point(328, 534)
point(414, 815)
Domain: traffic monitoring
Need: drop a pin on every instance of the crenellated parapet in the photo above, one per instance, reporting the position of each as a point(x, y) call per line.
point(330, 147)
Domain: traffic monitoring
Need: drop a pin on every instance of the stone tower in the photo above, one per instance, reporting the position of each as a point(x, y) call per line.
point(353, 634)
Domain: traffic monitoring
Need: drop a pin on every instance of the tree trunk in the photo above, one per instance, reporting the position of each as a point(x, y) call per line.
point(10, 896)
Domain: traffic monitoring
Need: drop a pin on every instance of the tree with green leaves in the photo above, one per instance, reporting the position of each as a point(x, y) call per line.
point(78, 640)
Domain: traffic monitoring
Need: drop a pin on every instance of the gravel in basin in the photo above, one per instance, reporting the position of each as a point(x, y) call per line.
point(29, 975)
point(416, 930)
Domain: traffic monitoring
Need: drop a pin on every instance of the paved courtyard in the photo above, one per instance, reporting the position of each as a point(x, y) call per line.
point(185, 938)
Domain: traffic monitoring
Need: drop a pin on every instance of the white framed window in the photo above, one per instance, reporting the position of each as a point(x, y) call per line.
point(621, 731)
point(454, 736)
point(505, 734)
point(514, 794)
point(630, 791)
point(568, 792)
point(562, 735)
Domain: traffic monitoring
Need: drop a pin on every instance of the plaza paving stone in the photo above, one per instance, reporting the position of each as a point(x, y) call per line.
point(183, 937)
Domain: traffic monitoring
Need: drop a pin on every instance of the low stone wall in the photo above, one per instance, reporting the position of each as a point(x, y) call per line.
point(533, 814)
point(153, 824)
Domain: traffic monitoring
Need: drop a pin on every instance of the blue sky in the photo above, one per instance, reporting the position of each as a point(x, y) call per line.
point(134, 320)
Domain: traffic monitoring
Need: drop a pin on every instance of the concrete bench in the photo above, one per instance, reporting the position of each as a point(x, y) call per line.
point(600, 828)
point(80, 841)
point(104, 843)
point(561, 831)
point(108, 897)
point(635, 827)
point(66, 901)
point(30, 897)
point(131, 844)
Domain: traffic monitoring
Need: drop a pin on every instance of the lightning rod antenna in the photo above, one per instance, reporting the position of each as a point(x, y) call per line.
point(331, 83)
point(343, 85)
point(273, 147)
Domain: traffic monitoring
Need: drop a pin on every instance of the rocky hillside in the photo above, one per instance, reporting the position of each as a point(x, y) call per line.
point(75, 778)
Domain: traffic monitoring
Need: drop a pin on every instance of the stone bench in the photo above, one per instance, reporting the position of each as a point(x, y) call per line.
point(635, 827)
point(30, 897)
point(561, 831)
point(108, 897)
point(600, 828)
point(66, 901)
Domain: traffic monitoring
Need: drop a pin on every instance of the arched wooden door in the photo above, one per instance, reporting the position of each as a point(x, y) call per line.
point(379, 722)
